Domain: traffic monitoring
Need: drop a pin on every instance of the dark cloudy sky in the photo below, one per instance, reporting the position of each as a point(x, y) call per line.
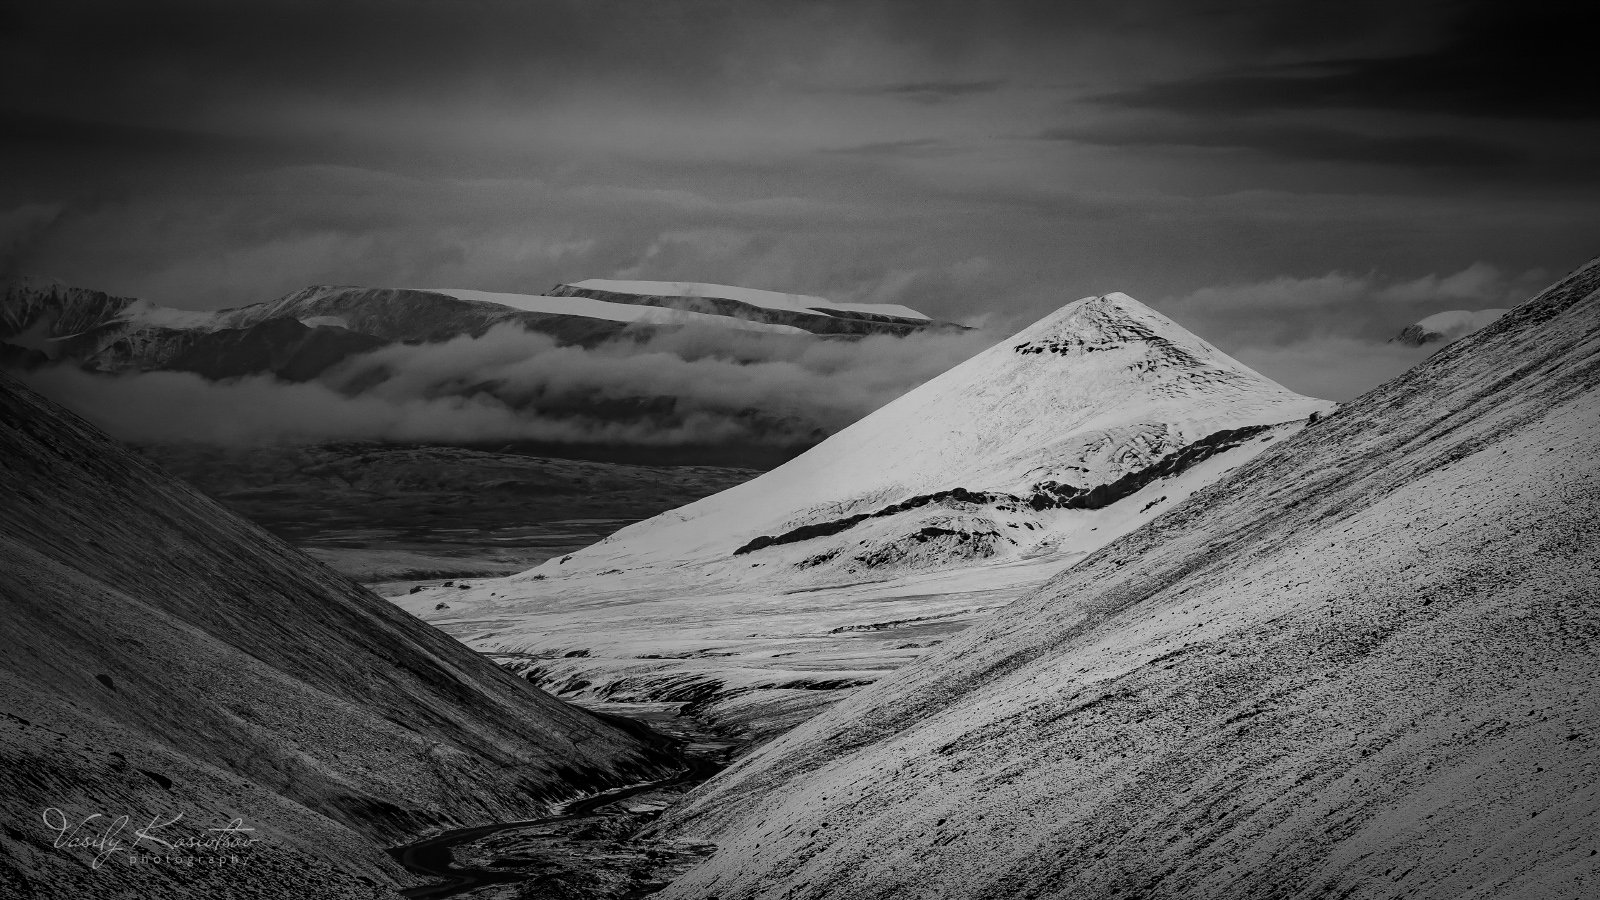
point(1294, 180)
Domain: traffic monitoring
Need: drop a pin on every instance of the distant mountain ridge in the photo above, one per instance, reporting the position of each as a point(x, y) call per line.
point(302, 334)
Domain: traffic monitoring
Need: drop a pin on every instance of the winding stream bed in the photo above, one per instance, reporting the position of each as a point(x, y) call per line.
point(586, 849)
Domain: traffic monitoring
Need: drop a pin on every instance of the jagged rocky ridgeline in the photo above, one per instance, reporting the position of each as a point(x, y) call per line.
point(894, 533)
point(1361, 665)
point(301, 335)
point(163, 657)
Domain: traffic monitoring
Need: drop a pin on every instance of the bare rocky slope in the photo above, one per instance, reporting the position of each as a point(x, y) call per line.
point(164, 657)
point(1359, 666)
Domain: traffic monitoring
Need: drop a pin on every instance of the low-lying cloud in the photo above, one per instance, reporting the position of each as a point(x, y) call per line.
point(704, 386)
point(1334, 368)
point(693, 386)
point(1329, 335)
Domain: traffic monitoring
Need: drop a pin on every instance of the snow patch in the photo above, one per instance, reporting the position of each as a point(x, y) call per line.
point(615, 312)
point(752, 296)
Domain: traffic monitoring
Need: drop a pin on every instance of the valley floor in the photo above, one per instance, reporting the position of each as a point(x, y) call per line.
point(593, 848)
point(759, 642)
point(752, 664)
point(382, 513)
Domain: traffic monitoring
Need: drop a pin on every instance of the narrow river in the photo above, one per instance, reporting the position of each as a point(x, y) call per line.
point(585, 847)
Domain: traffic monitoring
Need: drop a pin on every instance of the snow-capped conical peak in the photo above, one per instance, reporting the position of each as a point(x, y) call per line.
point(942, 504)
point(1093, 317)
point(1150, 342)
point(1098, 391)
point(1105, 316)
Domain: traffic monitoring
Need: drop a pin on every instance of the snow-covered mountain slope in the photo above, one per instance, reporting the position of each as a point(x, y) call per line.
point(913, 521)
point(1360, 666)
point(162, 656)
point(1442, 328)
point(36, 314)
point(1098, 394)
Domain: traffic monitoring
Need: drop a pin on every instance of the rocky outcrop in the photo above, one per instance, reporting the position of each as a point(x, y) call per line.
point(1442, 328)
point(1415, 335)
point(34, 313)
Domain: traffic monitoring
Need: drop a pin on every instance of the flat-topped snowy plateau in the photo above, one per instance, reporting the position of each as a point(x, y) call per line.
point(681, 291)
point(302, 334)
point(859, 554)
point(1361, 665)
point(589, 308)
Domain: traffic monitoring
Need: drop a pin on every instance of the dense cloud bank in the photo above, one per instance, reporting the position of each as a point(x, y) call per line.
point(691, 386)
point(704, 386)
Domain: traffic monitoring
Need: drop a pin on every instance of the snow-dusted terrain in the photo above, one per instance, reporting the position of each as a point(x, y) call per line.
point(1444, 327)
point(897, 531)
point(1361, 665)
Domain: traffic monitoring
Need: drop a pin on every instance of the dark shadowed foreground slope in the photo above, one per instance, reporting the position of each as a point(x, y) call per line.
point(1360, 666)
point(163, 657)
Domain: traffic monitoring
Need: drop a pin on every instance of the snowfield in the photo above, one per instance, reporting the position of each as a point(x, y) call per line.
point(895, 533)
point(145, 313)
point(615, 312)
point(1361, 665)
point(754, 297)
